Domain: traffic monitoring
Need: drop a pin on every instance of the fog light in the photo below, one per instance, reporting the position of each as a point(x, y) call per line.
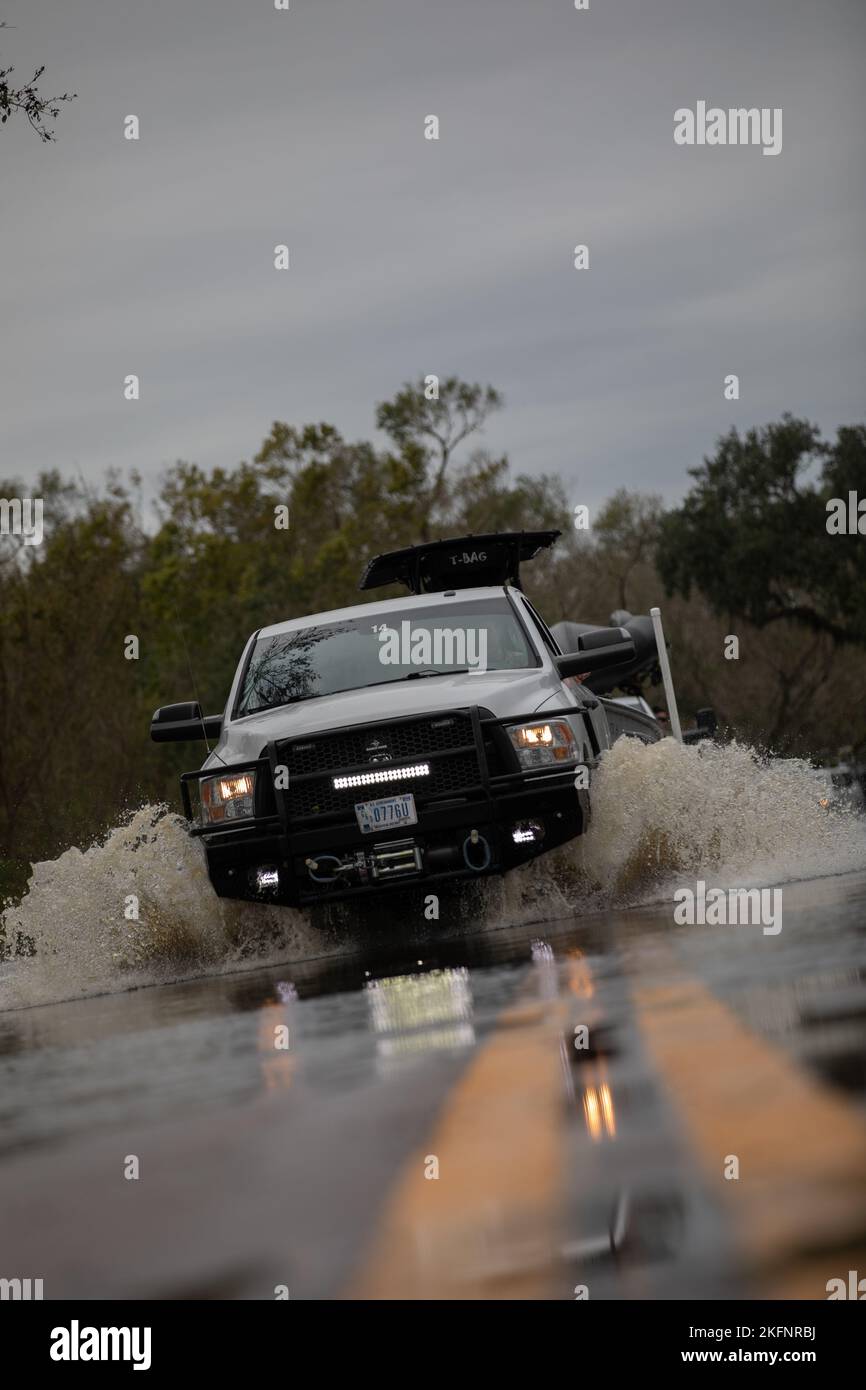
point(527, 832)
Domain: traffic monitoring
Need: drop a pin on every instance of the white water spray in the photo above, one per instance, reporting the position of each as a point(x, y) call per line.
point(658, 811)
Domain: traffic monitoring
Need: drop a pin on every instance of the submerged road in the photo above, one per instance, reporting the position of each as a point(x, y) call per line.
point(611, 1107)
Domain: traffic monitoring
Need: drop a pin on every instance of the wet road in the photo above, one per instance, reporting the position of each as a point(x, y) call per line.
point(614, 1106)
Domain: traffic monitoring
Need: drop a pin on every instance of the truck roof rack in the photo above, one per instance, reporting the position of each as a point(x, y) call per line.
point(462, 562)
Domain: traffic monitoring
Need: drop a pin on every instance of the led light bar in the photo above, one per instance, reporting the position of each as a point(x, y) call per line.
point(391, 774)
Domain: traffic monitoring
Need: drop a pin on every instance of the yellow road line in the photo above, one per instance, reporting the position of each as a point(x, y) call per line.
point(799, 1206)
point(487, 1226)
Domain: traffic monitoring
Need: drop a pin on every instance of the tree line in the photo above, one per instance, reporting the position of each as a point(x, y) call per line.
point(747, 553)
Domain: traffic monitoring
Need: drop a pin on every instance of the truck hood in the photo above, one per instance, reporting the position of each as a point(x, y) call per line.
point(502, 692)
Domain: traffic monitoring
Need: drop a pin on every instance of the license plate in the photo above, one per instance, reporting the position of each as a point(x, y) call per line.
point(386, 812)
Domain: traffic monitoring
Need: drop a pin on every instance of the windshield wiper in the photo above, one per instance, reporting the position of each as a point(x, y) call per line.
point(431, 671)
point(412, 676)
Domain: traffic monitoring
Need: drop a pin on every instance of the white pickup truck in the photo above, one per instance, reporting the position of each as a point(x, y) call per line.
point(444, 735)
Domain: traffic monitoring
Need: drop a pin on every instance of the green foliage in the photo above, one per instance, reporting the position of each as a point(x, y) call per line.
point(751, 535)
point(74, 712)
point(64, 686)
point(214, 567)
point(427, 429)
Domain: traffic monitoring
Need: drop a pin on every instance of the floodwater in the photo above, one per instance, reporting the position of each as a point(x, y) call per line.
point(553, 1090)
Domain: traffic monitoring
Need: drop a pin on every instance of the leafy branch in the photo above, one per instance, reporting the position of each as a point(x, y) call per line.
point(38, 109)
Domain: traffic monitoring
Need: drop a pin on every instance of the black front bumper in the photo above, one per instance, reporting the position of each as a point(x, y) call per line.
point(468, 805)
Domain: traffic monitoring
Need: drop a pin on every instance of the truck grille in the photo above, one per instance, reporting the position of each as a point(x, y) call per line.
point(445, 742)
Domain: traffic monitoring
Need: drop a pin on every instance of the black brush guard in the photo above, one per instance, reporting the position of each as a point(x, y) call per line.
point(475, 783)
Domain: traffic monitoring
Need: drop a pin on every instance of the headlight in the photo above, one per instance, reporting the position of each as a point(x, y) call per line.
point(229, 797)
point(539, 745)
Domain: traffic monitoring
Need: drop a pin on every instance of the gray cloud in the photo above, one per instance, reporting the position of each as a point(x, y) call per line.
point(410, 256)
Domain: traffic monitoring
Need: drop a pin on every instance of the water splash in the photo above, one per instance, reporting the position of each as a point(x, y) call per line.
point(658, 811)
point(665, 809)
point(74, 917)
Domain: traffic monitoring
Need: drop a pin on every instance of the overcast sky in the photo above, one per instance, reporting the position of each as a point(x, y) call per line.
point(410, 256)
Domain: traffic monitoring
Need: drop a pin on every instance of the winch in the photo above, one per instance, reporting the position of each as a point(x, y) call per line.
point(390, 859)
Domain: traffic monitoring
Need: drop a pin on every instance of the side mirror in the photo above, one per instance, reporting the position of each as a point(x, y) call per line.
point(184, 723)
point(606, 646)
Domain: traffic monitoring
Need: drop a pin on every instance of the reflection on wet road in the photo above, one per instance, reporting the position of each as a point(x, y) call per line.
point(613, 1107)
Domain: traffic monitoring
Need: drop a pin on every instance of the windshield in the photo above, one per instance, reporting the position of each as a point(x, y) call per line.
point(478, 635)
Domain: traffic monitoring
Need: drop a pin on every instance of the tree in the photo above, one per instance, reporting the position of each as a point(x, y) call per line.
point(627, 531)
point(428, 429)
point(75, 706)
point(28, 99)
point(751, 535)
point(71, 705)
